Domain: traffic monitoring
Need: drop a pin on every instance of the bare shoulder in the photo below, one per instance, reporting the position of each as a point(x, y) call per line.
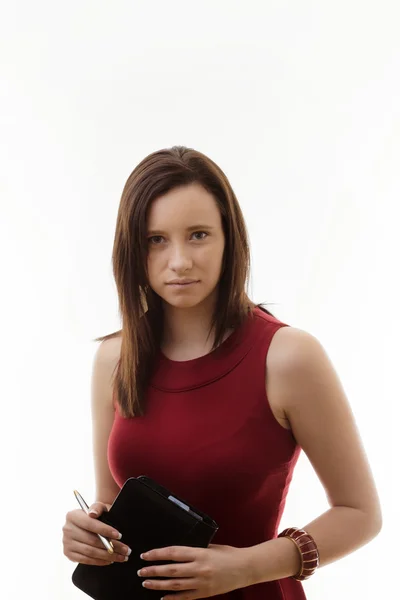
point(287, 343)
point(289, 347)
point(105, 361)
point(109, 350)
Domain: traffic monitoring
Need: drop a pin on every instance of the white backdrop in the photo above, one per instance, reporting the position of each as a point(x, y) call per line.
point(299, 103)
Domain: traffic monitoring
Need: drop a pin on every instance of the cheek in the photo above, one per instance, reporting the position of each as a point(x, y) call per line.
point(213, 263)
point(216, 254)
point(151, 268)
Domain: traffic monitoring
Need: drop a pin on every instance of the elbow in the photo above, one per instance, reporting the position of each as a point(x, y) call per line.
point(378, 525)
point(374, 523)
point(367, 523)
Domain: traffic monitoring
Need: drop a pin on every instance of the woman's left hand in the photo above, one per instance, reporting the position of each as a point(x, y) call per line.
point(197, 572)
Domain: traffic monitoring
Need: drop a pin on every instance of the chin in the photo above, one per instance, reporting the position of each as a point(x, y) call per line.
point(182, 299)
point(183, 302)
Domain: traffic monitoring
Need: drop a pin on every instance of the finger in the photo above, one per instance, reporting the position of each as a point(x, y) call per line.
point(86, 560)
point(97, 508)
point(103, 529)
point(93, 540)
point(87, 537)
point(91, 553)
point(79, 531)
point(181, 570)
point(186, 595)
point(171, 584)
point(92, 524)
point(173, 553)
point(119, 547)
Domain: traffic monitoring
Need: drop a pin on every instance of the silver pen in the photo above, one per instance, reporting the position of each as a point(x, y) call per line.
point(107, 544)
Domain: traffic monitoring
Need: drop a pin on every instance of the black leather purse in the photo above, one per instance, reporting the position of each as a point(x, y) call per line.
point(148, 516)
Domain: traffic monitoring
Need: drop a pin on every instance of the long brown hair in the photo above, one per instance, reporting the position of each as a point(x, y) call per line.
point(140, 308)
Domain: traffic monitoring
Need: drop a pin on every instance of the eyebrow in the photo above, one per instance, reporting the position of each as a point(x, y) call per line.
point(191, 228)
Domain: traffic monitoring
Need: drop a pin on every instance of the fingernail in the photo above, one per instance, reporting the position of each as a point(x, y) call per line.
point(93, 512)
point(117, 535)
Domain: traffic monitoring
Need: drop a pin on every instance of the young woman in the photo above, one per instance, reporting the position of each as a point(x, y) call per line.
point(214, 397)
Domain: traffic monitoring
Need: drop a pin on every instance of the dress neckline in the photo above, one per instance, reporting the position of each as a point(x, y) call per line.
point(175, 375)
point(227, 341)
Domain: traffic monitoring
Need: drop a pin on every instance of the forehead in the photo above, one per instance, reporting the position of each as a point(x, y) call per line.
point(182, 206)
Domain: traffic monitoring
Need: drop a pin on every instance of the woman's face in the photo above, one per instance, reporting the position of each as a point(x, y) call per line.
point(185, 241)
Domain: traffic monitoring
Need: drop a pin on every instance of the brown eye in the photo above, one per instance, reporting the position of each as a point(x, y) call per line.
point(205, 233)
point(154, 237)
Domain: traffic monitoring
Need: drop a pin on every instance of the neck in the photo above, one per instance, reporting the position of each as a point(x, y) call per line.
point(187, 327)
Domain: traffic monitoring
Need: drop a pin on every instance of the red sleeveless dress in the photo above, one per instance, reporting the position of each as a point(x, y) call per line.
point(209, 435)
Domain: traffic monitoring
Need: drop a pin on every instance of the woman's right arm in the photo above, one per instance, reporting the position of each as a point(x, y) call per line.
point(80, 541)
point(104, 363)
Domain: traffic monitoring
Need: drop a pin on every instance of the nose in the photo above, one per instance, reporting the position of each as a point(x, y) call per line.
point(179, 258)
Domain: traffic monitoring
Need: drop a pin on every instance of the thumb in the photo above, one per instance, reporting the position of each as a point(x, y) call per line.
point(97, 508)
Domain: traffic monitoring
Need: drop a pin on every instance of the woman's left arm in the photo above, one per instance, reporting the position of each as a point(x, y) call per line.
point(302, 380)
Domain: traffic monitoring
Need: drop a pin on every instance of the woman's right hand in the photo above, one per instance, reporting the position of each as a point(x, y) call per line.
point(81, 543)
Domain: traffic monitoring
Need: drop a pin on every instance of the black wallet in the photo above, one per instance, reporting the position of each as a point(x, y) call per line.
point(148, 516)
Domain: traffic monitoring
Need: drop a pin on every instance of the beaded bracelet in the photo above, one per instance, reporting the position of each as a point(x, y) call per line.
point(308, 551)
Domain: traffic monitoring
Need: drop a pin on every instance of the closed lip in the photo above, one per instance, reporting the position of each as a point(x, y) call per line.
point(181, 281)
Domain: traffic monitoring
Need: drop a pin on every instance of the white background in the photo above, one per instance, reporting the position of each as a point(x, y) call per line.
point(299, 103)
